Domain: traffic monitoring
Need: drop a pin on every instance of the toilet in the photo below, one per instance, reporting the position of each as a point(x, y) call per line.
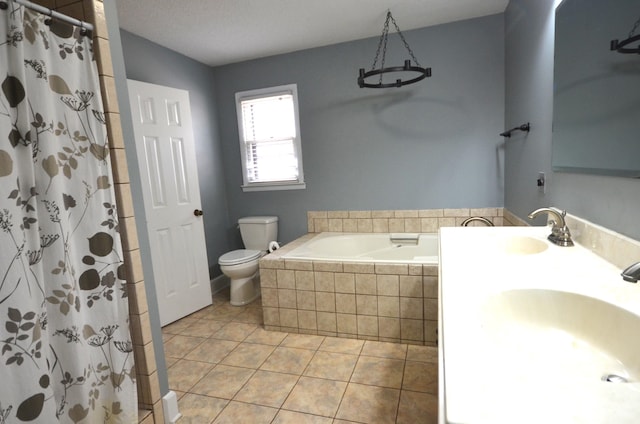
point(241, 266)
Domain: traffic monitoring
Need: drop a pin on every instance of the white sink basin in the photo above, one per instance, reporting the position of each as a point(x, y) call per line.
point(522, 245)
point(529, 329)
point(576, 336)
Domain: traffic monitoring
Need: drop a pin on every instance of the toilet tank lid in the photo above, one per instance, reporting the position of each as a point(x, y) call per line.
point(258, 220)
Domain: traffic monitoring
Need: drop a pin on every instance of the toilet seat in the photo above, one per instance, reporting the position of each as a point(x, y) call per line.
point(239, 256)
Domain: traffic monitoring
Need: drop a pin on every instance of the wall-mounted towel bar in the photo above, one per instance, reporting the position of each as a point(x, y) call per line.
point(524, 127)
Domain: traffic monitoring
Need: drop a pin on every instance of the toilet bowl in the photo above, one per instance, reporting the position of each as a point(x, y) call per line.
point(241, 266)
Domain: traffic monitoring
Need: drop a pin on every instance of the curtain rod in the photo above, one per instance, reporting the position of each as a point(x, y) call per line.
point(54, 14)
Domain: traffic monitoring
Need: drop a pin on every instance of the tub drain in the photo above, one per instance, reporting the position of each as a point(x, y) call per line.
point(613, 378)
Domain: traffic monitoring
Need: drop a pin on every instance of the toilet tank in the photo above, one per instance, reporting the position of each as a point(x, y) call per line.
point(258, 231)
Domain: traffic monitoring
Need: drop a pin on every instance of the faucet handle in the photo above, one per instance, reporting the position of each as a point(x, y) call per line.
point(631, 273)
point(560, 233)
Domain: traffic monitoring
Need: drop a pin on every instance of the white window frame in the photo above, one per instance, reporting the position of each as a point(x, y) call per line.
point(247, 185)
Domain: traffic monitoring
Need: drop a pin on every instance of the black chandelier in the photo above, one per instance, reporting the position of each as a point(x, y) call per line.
point(407, 69)
point(623, 46)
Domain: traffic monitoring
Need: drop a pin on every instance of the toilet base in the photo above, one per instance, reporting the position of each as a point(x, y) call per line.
point(244, 290)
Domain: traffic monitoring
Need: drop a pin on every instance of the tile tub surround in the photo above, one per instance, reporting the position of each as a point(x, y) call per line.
point(398, 221)
point(384, 302)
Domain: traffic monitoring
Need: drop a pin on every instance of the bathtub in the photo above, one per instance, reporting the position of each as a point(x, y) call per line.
point(373, 286)
point(391, 248)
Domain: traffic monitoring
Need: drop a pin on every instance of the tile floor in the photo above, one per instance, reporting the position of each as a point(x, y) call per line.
point(225, 368)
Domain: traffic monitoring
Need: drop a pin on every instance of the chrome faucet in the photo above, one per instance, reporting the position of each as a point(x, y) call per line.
point(632, 273)
point(560, 233)
point(477, 218)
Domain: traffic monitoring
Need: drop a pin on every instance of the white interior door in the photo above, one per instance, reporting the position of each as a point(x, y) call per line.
point(167, 160)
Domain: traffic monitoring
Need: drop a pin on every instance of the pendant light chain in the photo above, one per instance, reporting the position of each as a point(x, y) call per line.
point(382, 41)
point(404, 70)
point(406, 45)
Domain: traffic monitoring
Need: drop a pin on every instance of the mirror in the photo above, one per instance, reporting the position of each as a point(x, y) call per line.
point(596, 99)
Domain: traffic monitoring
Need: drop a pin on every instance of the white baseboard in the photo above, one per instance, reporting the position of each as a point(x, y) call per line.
point(170, 408)
point(221, 282)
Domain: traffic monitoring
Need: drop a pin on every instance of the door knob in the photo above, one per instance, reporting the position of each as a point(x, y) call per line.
point(197, 212)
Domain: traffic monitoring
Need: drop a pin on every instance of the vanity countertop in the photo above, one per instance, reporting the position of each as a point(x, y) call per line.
point(528, 329)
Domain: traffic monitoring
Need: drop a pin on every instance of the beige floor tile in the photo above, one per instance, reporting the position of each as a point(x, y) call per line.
point(212, 350)
point(223, 312)
point(267, 388)
point(177, 326)
point(339, 345)
point(383, 372)
point(218, 302)
point(238, 412)
point(196, 409)
point(421, 377)
point(235, 331)
point(290, 417)
point(417, 408)
point(303, 341)
point(316, 396)
point(385, 350)
point(305, 375)
point(204, 313)
point(183, 375)
point(202, 328)
point(223, 381)
point(251, 316)
point(179, 346)
point(220, 298)
point(169, 361)
point(248, 355)
point(288, 360)
point(262, 336)
point(422, 353)
point(330, 365)
point(369, 404)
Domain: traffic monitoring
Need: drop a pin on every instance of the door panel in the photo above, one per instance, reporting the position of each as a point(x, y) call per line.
point(167, 160)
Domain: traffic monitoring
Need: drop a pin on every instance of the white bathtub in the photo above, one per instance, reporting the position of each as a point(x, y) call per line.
point(405, 248)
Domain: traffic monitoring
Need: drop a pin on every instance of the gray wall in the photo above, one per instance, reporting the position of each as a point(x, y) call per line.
point(608, 201)
point(433, 144)
point(149, 62)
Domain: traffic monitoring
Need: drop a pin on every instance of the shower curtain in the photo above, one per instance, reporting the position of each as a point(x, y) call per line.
point(65, 346)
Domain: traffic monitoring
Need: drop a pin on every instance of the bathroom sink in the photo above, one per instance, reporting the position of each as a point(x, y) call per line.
point(531, 332)
point(522, 245)
point(573, 335)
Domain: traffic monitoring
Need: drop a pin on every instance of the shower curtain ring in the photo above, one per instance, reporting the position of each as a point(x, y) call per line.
point(49, 20)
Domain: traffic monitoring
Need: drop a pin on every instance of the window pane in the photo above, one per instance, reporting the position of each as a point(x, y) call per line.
point(269, 118)
point(272, 161)
point(270, 138)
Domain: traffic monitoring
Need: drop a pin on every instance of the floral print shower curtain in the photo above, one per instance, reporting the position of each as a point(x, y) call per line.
point(65, 346)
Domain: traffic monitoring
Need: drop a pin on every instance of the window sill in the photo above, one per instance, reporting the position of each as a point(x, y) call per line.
point(274, 186)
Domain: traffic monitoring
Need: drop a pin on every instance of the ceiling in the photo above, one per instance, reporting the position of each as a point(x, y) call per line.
point(219, 32)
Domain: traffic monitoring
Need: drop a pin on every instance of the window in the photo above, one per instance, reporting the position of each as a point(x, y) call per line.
point(270, 139)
